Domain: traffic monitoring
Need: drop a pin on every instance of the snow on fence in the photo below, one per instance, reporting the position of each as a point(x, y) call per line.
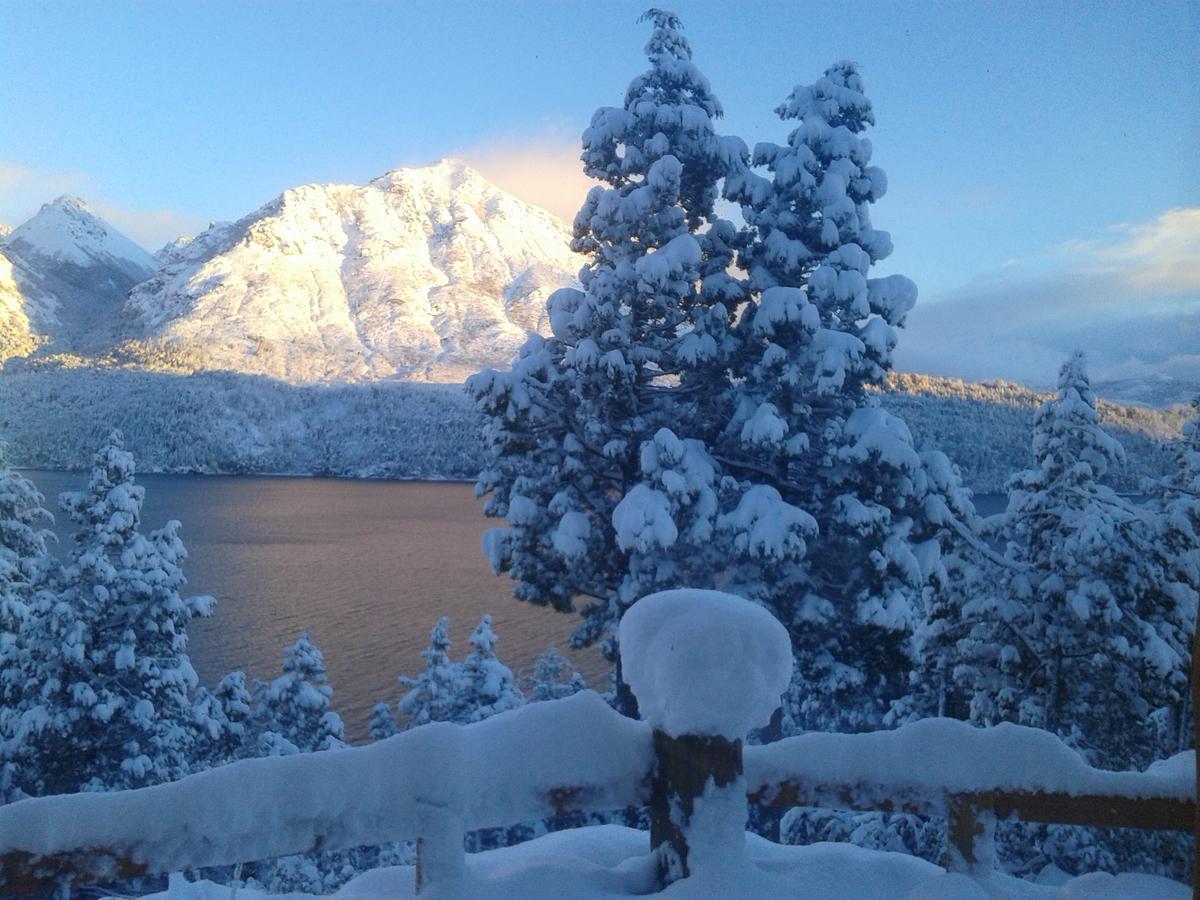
point(687, 762)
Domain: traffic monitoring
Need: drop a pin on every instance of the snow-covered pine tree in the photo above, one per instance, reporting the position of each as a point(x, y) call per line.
point(633, 352)
point(383, 722)
point(295, 716)
point(1177, 526)
point(818, 333)
point(26, 571)
point(488, 685)
point(115, 696)
point(295, 708)
point(433, 696)
point(1091, 627)
point(550, 679)
point(226, 721)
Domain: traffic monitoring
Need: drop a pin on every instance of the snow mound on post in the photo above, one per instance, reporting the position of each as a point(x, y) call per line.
point(704, 662)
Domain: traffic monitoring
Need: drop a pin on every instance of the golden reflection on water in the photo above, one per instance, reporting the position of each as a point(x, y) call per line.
point(368, 566)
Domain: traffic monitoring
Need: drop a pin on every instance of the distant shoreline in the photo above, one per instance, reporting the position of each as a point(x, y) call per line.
point(28, 470)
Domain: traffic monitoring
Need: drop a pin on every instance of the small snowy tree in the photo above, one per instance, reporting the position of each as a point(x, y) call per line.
point(550, 679)
point(296, 717)
point(295, 710)
point(27, 575)
point(434, 695)
point(488, 685)
point(383, 722)
point(226, 719)
point(115, 697)
point(636, 350)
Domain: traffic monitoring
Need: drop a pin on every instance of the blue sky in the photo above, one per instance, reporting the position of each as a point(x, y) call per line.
point(1030, 147)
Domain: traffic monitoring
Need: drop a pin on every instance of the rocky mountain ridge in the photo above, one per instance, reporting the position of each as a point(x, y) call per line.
point(422, 274)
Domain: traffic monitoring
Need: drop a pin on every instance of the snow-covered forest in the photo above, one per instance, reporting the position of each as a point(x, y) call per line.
point(769, 535)
point(54, 417)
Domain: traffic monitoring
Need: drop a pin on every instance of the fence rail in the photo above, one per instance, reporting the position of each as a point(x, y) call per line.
point(437, 782)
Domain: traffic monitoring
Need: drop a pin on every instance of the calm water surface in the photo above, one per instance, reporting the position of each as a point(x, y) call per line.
point(368, 566)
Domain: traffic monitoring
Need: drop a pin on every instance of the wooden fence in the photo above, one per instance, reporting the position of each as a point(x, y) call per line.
point(386, 792)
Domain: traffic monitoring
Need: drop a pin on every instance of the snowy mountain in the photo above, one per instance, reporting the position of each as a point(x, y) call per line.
point(422, 274)
point(1158, 391)
point(64, 275)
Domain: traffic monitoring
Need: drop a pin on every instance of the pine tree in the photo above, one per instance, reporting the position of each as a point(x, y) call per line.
point(226, 720)
point(635, 351)
point(295, 708)
point(550, 680)
point(27, 576)
point(383, 723)
point(817, 334)
point(1091, 635)
point(115, 697)
point(434, 695)
point(488, 685)
point(295, 716)
point(1177, 529)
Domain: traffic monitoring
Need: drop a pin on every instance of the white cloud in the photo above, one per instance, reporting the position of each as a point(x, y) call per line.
point(1131, 300)
point(542, 169)
point(1162, 256)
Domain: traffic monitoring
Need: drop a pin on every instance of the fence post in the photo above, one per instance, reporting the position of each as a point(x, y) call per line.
point(683, 767)
point(970, 833)
point(440, 853)
point(706, 668)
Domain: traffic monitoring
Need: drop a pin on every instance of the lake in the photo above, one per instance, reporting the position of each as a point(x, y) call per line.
point(368, 566)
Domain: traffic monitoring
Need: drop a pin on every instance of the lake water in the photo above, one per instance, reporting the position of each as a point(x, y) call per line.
point(368, 566)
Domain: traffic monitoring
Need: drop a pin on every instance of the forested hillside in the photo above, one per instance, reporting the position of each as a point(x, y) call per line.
point(221, 422)
point(985, 428)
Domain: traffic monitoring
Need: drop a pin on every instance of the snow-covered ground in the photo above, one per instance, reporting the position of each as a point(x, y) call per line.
point(611, 861)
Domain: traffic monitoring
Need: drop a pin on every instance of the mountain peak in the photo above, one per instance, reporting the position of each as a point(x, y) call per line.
point(69, 201)
point(447, 171)
point(424, 273)
point(66, 230)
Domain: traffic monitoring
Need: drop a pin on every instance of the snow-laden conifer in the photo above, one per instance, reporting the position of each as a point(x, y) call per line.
point(804, 427)
point(433, 695)
point(383, 722)
point(296, 711)
point(115, 694)
point(488, 685)
point(27, 573)
point(1177, 528)
point(226, 722)
point(1087, 637)
point(552, 678)
point(637, 350)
